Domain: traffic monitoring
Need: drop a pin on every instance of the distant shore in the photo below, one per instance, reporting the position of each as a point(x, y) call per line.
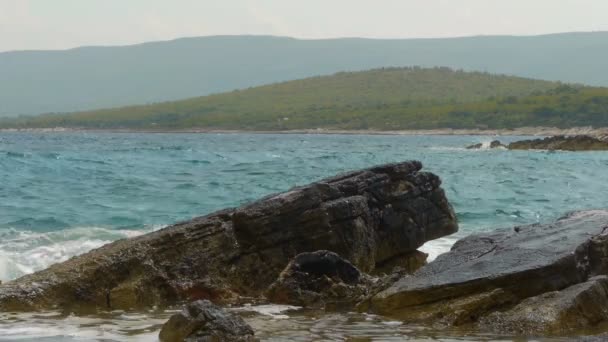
point(524, 131)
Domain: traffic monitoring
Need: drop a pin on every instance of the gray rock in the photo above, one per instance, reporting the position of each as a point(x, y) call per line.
point(202, 321)
point(368, 217)
point(494, 271)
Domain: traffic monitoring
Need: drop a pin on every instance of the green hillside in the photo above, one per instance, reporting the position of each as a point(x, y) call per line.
point(87, 78)
point(383, 99)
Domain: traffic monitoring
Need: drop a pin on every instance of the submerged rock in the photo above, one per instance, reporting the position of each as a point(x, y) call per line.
point(201, 321)
point(493, 144)
point(496, 144)
point(368, 217)
point(319, 279)
point(486, 275)
point(475, 146)
point(563, 142)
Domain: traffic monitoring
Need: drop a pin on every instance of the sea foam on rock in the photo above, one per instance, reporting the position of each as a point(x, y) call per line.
point(368, 217)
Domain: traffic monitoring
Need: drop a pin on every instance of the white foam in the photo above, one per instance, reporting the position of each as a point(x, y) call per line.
point(275, 311)
point(435, 248)
point(24, 252)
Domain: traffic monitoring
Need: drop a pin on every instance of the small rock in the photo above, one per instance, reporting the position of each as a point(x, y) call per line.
point(496, 144)
point(202, 321)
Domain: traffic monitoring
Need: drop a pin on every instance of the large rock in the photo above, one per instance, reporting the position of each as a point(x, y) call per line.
point(319, 279)
point(490, 272)
point(368, 217)
point(562, 142)
point(201, 321)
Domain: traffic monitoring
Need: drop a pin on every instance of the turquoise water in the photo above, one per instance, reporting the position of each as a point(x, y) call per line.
point(62, 194)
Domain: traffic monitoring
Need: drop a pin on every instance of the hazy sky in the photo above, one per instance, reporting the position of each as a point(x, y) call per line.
point(58, 24)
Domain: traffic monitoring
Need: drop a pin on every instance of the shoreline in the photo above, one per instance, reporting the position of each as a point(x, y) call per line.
point(522, 131)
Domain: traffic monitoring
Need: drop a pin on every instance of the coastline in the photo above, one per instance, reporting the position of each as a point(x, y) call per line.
point(522, 131)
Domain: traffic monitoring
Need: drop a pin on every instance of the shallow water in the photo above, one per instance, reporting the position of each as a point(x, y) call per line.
point(271, 323)
point(65, 193)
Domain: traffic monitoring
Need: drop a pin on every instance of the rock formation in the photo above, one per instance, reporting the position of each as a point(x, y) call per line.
point(558, 142)
point(541, 278)
point(201, 321)
point(369, 217)
point(563, 143)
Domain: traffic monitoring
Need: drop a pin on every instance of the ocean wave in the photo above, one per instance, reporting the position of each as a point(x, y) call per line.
point(435, 248)
point(24, 252)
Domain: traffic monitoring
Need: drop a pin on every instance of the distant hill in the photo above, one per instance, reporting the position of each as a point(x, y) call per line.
point(381, 99)
point(33, 82)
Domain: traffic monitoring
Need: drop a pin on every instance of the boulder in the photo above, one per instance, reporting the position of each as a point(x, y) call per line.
point(202, 321)
point(563, 142)
point(485, 275)
point(320, 279)
point(368, 217)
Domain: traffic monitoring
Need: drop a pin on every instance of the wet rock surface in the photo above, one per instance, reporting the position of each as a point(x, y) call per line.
point(320, 279)
point(490, 281)
point(202, 321)
point(368, 217)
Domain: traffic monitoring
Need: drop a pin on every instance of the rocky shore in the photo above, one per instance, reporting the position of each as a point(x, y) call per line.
point(344, 243)
point(554, 143)
point(369, 217)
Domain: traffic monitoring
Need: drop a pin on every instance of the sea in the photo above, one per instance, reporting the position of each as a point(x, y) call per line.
point(64, 193)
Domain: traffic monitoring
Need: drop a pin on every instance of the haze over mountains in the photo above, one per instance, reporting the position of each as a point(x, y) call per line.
point(33, 82)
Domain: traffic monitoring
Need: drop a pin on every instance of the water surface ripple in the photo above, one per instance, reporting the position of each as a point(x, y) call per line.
point(62, 194)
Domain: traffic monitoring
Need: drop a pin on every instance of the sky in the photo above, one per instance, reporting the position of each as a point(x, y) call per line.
point(61, 24)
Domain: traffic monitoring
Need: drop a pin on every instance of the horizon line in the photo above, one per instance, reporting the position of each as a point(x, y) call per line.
point(254, 35)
